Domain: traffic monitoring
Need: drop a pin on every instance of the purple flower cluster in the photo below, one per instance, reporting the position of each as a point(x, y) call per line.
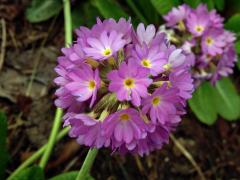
point(201, 34)
point(122, 89)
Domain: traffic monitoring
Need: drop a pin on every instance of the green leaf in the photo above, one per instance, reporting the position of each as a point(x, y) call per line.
point(84, 14)
point(233, 23)
point(210, 3)
point(163, 6)
point(31, 173)
point(41, 10)
point(145, 7)
point(192, 3)
point(202, 103)
point(4, 156)
point(237, 48)
point(227, 99)
point(70, 176)
point(110, 9)
point(219, 4)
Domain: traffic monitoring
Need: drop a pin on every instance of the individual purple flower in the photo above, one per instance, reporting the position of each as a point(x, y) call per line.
point(125, 127)
point(181, 79)
point(225, 65)
point(161, 103)
point(122, 28)
point(215, 19)
point(104, 47)
point(177, 15)
point(84, 83)
point(87, 130)
point(129, 82)
point(212, 43)
point(175, 58)
point(145, 35)
point(197, 23)
point(228, 37)
point(151, 58)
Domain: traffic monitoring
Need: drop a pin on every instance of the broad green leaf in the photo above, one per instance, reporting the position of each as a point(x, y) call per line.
point(233, 23)
point(110, 9)
point(227, 99)
point(163, 6)
point(31, 173)
point(219, 4)
point(4, 156)
point(192, 3)
point(70, 176)
point(41, 10)
point(202, 103)
point(237, 47)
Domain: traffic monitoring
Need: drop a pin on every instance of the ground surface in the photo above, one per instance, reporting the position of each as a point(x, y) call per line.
point(31, 52)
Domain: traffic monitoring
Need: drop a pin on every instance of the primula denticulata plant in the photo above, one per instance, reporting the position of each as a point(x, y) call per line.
point(122, 89)
point(126, 88)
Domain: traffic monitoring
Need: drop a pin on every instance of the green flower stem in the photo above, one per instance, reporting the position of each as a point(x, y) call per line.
point(52, 138)
point(59, 112)
point(37, 154)
point(68, 22)
point(87, 164)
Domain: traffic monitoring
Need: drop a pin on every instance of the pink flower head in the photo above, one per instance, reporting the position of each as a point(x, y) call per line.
point(125, 127)
point(84, 83)
point(129, 82)
point(206, 45)
point(161, 103)
point(212, 43)
point(122, 89)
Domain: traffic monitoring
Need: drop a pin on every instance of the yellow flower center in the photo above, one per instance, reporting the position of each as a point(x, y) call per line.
point(167, 66)
point(156, 101)
point(199, 28)
point(209, 41)
point(91, 85)
point(146, 63)
point(129, 83)
point(107, 52)
point(124, 117)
